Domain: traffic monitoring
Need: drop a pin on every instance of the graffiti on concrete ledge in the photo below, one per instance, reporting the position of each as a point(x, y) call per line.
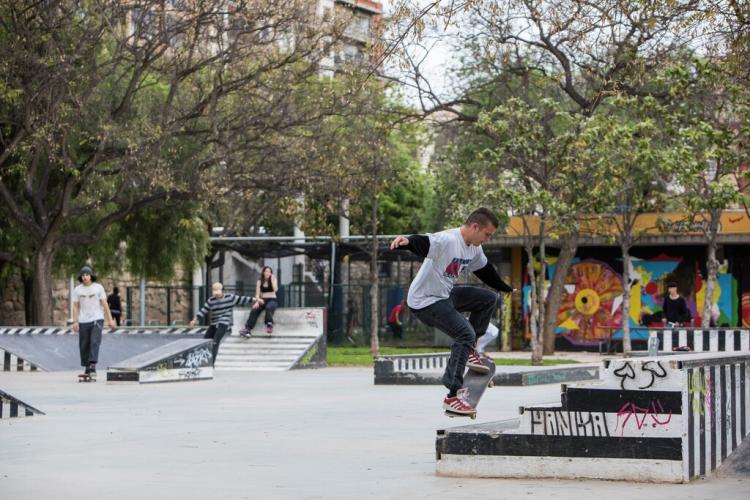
point(654, 415)
point(644, 376)
point(569, 423)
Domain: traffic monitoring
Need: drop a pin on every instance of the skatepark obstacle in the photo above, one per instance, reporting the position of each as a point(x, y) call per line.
point(658, 419)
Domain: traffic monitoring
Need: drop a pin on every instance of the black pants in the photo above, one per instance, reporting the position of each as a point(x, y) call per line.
point(446, 315)
point(397, 330)
point(89, 340)
point(216, 332)
point(269, 305)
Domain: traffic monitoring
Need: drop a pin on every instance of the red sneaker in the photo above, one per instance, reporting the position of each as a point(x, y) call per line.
point(456, 404)
point(475, 363)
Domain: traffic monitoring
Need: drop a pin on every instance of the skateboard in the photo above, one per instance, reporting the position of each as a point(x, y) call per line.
point(476, 383)
point(85, 377)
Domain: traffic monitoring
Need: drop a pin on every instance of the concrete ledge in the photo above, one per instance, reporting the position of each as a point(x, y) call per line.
point(663, 419)
point(662, 471)
point(427, 369)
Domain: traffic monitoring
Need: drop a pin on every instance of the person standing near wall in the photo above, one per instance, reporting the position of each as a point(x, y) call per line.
point(394, 320)
point(220, 305)
point(89, 310)
point(115, 305)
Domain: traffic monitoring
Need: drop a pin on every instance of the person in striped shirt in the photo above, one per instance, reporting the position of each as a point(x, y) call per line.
point(221, 306)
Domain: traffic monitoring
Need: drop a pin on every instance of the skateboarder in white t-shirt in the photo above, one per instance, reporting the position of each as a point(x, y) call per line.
point(433, 299)
point(89, 309)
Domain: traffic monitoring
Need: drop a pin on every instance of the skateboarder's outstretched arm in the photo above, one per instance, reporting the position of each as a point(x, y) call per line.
point(418, 244)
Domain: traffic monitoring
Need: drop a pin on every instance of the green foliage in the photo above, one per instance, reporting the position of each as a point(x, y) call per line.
point(149, 244)
point(158, 239)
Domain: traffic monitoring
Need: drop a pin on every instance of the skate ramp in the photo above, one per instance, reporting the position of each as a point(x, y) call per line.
point(56, 349)
point(179, 361)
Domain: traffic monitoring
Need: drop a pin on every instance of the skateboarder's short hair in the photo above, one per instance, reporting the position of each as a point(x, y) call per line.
point(482, 216)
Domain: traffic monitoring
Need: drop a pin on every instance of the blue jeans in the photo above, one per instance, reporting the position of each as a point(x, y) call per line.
point(446, 315)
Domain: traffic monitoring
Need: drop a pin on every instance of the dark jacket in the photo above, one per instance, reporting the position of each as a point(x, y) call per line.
point(676, 311)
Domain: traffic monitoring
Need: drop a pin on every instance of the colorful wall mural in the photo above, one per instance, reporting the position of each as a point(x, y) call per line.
point(591, 306)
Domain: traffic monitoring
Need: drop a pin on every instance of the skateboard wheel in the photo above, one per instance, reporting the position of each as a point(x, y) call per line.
point(473, 416)
point(491, 384)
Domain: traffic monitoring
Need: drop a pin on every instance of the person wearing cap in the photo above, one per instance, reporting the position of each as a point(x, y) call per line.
point(89, 310)
point(675, 309)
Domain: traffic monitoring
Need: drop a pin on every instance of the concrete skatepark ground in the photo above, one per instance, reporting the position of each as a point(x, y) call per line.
point(326, 433)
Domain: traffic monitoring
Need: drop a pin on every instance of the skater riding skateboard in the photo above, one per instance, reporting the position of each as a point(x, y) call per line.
point(475, 384)
point(89, 375)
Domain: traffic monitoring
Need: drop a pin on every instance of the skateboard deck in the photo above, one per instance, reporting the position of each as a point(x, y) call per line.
point(476, 383)
point(86, 378)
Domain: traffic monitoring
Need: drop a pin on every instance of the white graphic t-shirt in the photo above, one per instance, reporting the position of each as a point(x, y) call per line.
point(449, 256)
point(89, 298)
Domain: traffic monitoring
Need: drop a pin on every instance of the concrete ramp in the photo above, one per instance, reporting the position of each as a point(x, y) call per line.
point(56, 349)
point(179, 361)
point(298, 341)
point(738, 463)
point(11, 407)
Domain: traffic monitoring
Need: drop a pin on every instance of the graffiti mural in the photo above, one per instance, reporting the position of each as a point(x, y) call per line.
point(591, 302)
point(591, 305)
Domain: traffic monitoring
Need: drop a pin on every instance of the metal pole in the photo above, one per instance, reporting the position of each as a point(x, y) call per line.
point(143, 302)
point(169, 305)
point(71, 286)
point(331, 285)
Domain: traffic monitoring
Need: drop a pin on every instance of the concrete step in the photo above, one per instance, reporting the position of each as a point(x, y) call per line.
point(265, 342)
point(263, 345)
point(262, 350)
point(251, 366)
point(256, 359)
point(253, 369)
point(277, 333)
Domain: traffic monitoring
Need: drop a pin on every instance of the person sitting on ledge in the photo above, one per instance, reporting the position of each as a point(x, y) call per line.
point(676, 312)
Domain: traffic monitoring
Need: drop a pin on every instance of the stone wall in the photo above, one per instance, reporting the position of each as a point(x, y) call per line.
point(11, 304)
point(181, 303)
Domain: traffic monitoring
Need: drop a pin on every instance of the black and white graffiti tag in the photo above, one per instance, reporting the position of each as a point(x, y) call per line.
point(195, 359)
point(647, 373)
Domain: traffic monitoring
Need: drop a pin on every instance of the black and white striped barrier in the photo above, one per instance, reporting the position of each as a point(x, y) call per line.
point(651, 419)
point(699, 340)
point(9, 362)
point(51, 330)
point(11, 407)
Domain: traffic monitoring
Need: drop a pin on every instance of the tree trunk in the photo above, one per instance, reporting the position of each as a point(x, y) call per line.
point(375, 282)
point(537, 346)
point(541, 294)
point(28, 298)
point(626, 344)
point(507, 309)
point(44, 306)
point(554, 297)
point(712, 268)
